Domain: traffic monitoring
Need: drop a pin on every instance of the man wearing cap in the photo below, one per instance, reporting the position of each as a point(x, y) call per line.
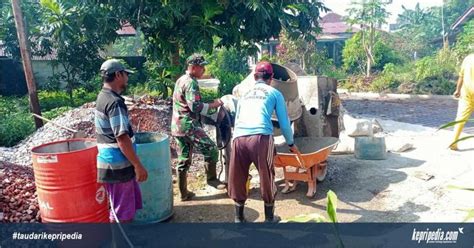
point(186, 126)
point(253, 141)
point(118, 166)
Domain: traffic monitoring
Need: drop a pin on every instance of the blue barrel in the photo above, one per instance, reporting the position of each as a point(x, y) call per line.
point(153, 149)
point(370, 148)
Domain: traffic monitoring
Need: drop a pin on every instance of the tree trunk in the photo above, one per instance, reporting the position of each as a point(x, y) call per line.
point(175, 56)
point(27, 67)
point(69, 81)
point(370, 57)
point(369, 65)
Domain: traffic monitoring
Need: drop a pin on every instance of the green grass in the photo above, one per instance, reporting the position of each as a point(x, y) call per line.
point(17, 122)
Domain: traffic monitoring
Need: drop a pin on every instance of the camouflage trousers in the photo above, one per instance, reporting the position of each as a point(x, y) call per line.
point(197, 139)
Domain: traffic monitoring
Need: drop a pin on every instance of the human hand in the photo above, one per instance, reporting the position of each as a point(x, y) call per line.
point(141, 173)
point(216, 103)
point(457, 94)
point(294, 149)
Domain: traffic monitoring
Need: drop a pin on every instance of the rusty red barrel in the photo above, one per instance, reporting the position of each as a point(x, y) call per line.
point(66, 182)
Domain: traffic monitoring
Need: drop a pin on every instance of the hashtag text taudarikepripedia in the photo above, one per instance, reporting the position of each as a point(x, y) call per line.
point(46, 236)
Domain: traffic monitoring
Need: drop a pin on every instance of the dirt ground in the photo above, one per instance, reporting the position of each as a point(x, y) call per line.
point(407, 187)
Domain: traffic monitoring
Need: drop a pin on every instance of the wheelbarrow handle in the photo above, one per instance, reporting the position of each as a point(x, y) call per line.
point(300, 159)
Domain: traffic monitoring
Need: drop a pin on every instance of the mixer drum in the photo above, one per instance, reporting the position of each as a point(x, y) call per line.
point(284, 80)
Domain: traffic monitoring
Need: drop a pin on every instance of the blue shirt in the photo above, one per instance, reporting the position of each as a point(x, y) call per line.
point(255, 110)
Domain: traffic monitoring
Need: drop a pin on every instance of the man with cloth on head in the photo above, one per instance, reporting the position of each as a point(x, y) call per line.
point(187, 129)
point(253, 141)
point(118, 166)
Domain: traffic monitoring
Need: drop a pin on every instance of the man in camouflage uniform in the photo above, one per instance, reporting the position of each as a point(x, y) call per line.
point(186, 126)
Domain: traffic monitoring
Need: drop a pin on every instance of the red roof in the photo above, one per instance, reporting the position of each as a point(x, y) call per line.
point(127, 30)
point(333, 23)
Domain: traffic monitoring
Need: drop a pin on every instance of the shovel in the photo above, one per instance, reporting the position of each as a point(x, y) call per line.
point(292, 187)
point(77, 134)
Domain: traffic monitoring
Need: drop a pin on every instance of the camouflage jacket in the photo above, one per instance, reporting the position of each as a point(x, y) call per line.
point(187, 106)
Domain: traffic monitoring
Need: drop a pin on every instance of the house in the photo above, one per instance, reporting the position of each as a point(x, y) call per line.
point(44, 67)
point(335, 31)
point(455, 28)
point(465, 17)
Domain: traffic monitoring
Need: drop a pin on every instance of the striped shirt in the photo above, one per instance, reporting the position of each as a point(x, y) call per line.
point(111, 121)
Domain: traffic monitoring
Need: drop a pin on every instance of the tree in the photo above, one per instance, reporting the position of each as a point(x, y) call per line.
point(354, 54)
point(26, 59)
point(77, 33)
point(370, 15)
point(300, 51)
point(423, 27)
point(464, 43)
point(173, 28)
point(410, 19)
point(455, 8)
point(8, 34)
point(418, 27)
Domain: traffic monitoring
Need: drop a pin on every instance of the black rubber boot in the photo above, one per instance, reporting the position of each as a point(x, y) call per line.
point(211, 176)
point(183, 186)
point(239, 213)
point(270, 216)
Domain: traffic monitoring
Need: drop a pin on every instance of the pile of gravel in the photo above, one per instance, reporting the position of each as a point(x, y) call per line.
point(146, 114)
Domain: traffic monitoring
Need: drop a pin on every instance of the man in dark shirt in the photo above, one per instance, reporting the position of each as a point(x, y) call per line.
point(118, 166)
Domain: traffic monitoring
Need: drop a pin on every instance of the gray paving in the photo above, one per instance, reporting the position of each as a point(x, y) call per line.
point(429, 112)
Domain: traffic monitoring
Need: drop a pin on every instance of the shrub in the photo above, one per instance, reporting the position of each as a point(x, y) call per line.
point(388, 80)
point(208, 95)
point(441, 65)
point(17, 122)
point(53, 83)
point(439, 86)
point(9, 105)
point(56, 99)
point(230, 66)
point(228, 80)
point(227, 60)
point(15, 127)
point(53, 113)
point(53, 99)
point(148, 88)
point(161, 78)
point(436, 74)
point(464, 42)
point(354, 57)
point(357, 83)
point(82, 96)
point(338, 73)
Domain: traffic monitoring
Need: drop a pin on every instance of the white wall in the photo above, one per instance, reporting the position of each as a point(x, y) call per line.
point(43, 69)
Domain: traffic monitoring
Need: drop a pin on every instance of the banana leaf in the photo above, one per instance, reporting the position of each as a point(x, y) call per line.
point(461, 139)
point(461, 188)
point(453, 123)
point(332, 206)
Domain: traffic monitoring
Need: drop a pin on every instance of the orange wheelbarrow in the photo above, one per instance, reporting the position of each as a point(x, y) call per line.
point(310, 165)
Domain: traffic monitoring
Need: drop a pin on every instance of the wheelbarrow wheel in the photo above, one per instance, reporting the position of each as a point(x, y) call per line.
point(322, 172)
